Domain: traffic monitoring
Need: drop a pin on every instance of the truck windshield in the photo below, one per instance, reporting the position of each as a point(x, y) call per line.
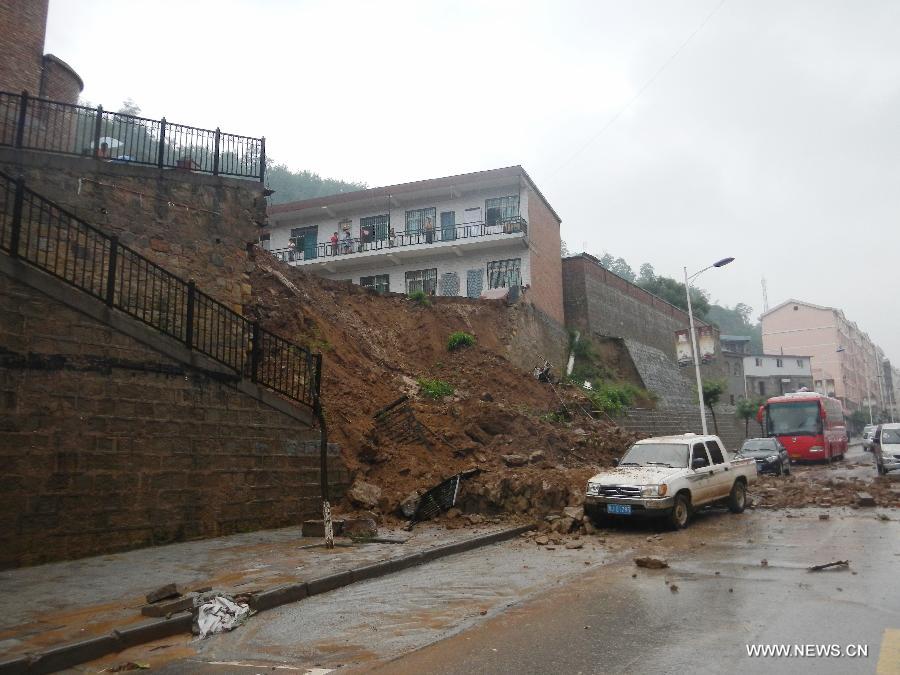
point(794, 419)
point(656, 454)
point(890, 436)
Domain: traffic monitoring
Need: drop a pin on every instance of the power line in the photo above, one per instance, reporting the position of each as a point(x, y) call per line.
point(643, 88)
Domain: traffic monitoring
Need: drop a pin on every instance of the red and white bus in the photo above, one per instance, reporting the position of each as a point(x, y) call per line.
point(809, 425)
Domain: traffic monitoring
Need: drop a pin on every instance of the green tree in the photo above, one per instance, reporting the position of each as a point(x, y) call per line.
point(737, 321)
point(563, 249)
point(712, 393)
point(292, 186)
point(618, 266)
point(647, 274)
point(746, 410)
point(672, 291)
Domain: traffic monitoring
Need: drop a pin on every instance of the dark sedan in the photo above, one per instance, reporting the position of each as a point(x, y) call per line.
point(770, 455)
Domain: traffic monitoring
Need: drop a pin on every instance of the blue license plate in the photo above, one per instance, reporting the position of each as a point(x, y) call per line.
point(619, 509)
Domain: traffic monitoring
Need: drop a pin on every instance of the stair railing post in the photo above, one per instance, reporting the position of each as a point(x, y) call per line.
point(216, 152)
point(98, 126)
point(18, 202)
point(254, 352)
point(111, 272)
point(20, 124)
point(189, 314)
point(161, 154)
point(262, 160)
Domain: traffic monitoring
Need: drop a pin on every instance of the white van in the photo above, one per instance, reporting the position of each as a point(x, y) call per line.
point(886, 447)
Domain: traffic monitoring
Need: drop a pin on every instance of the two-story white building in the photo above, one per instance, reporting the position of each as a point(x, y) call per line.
point(775, 374)
point(455, 236)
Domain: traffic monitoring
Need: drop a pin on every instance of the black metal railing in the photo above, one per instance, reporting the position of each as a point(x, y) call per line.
point(52, 126)
point(388, 241)
point(35, 230)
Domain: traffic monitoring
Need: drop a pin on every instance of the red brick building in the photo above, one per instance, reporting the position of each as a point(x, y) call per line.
point(23, 64)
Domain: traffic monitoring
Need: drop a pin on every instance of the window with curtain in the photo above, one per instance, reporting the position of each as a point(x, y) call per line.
point(379, 282)
point(415, 219)
point(500, 209)
point(374, 228)
point(504, 273)
point(422, 280)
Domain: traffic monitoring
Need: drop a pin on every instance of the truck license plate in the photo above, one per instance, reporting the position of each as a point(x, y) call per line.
point(620, 509)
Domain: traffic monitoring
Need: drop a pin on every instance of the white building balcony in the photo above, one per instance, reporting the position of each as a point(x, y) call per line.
point(403, 247)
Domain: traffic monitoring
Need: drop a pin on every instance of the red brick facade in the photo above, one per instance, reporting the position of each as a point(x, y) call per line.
point(546, 290)
point(23, 24)
point(23, 65)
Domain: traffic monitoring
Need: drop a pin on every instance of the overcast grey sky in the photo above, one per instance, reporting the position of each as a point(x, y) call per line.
point(772, 136)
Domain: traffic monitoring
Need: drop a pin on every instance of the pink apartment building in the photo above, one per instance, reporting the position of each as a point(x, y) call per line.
point(845, 362)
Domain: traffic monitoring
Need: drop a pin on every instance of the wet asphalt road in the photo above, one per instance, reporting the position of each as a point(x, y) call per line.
point(611, 622)
point(519, 608)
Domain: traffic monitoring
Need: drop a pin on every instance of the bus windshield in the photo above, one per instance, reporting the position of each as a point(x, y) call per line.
point(794, 419)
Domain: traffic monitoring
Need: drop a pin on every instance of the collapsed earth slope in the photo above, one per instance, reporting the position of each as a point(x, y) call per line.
point(498, 419)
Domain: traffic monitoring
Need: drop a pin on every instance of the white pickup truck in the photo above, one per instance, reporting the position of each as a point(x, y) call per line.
point(670, 477)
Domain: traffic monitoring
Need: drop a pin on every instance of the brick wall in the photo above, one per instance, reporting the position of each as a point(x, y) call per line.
point(535, 336)
point(108, 445)
point(546, 290)
point(22, 27)
point(59, 81)
point(193, 225)
point(597, 302)
point(685, 419)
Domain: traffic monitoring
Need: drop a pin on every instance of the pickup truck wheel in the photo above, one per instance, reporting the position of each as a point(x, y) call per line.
point(681, 513)
point(737, 500)
point(597, 516)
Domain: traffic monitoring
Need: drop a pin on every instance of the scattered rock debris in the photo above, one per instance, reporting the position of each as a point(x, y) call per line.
point(651, 563)
point(845, 564)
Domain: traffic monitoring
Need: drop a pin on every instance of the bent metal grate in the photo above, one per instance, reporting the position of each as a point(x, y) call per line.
point(37, 231)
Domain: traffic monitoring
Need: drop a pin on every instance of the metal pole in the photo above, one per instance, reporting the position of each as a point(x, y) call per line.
point(323, 454)
point(687, 290)
point(161, 150)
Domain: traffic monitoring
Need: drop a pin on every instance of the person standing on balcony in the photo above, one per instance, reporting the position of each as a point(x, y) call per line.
point(429, 230)
point(348, 242)
point(334, 244)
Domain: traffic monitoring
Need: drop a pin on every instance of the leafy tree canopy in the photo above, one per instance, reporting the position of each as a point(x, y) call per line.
point(292, 186)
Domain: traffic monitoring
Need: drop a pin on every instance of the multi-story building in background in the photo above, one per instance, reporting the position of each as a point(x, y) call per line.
point(459, 236)
point(845, 362)
point(776, 374)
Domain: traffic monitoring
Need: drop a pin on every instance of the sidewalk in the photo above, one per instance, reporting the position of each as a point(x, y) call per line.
point(59, 603)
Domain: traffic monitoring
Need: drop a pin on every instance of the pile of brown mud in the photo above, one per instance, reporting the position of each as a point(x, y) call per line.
point(499, 419)
point(824, 486)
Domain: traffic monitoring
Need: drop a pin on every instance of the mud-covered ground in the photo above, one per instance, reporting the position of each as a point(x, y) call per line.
point(827, 485)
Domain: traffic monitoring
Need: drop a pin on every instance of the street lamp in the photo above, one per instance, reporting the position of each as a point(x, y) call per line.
point(687, 291)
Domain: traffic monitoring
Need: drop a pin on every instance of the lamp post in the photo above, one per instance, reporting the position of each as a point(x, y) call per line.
point(687, 290)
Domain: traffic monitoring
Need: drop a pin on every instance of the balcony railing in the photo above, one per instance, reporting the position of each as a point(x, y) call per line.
point(389, 241)
point(43, 234)
point(53, 126)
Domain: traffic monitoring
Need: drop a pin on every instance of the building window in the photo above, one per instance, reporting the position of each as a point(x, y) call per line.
point(303, 242)
point(799, 363)
point(759, 363)
point(504, 273)
point(380, 283)
point(779, 363)
point(500, 209)
point(374, 228)
point(448, 225)
point(422, 280)
point(418, 219)
point(762, 388)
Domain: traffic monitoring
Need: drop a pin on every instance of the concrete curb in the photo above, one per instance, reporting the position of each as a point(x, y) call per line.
point(74, 653)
